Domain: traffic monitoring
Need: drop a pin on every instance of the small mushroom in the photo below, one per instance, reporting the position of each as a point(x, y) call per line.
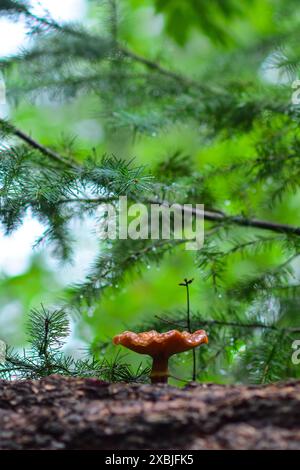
point(160, 346)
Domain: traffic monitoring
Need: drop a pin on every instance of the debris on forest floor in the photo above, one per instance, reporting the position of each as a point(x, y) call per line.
point(69, 413)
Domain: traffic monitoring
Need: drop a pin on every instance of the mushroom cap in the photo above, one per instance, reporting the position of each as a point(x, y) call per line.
point(161, 344)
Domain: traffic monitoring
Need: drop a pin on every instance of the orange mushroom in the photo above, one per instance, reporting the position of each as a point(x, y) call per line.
point(160, 346)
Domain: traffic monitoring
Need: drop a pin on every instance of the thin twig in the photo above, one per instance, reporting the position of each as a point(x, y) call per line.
point(51, 23)
point(80, 200)
point(186, 283)
point(182, 323)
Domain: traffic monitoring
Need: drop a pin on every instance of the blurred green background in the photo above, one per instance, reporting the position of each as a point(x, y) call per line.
point(195, 44)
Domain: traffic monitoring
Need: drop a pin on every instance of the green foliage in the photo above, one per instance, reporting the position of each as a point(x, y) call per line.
point(51, 192)
point(212, 127)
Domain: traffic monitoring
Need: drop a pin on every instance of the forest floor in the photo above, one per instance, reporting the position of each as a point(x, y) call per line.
point(68, 413)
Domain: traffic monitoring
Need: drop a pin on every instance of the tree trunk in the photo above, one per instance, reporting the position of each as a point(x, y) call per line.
point(68, 413)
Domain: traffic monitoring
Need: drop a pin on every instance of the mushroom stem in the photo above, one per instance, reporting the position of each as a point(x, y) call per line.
point(160, 372)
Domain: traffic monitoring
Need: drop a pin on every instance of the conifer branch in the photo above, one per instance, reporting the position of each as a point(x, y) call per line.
point(231, 324)
point(213, 216)
point(35, 144)
point(144, 95)
point(47, 334)
point(236, 220)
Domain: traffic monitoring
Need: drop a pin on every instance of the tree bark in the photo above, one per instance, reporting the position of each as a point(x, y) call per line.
point(69, 413)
